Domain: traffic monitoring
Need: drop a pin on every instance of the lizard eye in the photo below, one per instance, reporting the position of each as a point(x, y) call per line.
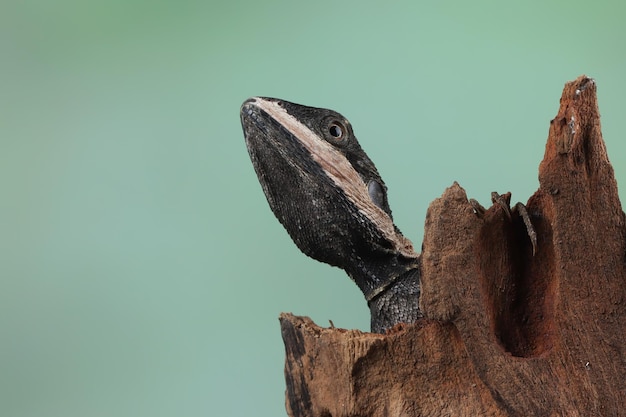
point(337, 130)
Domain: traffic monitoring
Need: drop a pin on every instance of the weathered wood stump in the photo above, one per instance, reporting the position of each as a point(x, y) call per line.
point(506, 333)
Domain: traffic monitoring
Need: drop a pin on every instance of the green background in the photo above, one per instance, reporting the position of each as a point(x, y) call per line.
point(141, 270)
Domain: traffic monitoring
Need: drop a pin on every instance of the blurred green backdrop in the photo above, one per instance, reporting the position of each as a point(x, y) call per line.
point(141, 270)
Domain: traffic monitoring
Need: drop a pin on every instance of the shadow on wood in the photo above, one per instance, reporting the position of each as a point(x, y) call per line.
point(506, 333)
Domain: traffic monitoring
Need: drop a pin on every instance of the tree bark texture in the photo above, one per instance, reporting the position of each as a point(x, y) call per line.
point(506, 332)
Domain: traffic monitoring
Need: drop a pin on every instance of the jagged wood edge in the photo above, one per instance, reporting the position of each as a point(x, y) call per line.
point(506, 333)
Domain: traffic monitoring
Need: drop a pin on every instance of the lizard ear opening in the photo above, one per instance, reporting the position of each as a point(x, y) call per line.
point(376, 193)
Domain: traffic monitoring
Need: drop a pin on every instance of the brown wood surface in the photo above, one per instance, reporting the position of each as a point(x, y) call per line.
point(506, 333)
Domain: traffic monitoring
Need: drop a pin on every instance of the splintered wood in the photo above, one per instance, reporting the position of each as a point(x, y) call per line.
point(505, 333)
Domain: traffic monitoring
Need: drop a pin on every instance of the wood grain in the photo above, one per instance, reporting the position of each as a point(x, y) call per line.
point(505, 333)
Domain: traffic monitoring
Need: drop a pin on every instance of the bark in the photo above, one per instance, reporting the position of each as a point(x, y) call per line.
point(505, 333)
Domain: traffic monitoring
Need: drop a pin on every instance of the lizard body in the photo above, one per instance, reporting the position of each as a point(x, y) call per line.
point(329, 196)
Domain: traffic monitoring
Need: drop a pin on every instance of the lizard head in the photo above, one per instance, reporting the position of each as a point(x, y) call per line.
point(324, 189)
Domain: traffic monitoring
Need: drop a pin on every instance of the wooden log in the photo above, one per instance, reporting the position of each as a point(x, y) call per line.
point(506, 332)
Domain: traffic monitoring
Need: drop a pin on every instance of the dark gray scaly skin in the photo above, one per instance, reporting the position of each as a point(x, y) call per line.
point(328, 195)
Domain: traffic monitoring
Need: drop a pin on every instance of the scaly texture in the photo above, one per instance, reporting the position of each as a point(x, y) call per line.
point(328, 195)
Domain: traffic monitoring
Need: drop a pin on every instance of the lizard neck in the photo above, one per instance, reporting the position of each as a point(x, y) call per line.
point(399, 303)
point(376, 273)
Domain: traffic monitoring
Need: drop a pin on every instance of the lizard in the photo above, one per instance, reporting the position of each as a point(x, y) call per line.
point(329, 196)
